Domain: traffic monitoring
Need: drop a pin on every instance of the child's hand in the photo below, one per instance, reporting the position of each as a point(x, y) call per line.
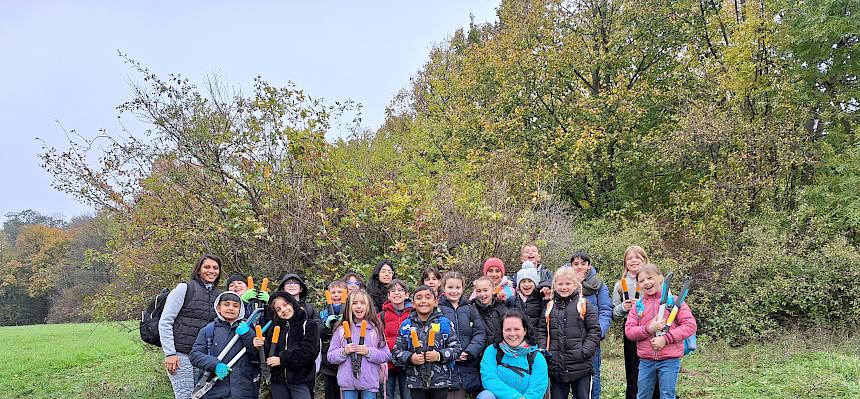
point(655, 326)
point(362, 350)
point(432, 356)
point(349, 348)
point(417, 359)
point(463, 356)
point(273, 361)
point(658, 343)
point(259, 342)
point(628, 304)
point(501, 295)
point(547, 293)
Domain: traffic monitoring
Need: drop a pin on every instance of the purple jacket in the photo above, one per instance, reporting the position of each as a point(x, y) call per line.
point(371, 364)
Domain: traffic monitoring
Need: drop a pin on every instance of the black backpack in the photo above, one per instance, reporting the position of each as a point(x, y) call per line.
point(150, 316)
point(501, 354)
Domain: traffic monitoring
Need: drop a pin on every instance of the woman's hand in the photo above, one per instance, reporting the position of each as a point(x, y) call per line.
point(273, 361)
point(171, 363)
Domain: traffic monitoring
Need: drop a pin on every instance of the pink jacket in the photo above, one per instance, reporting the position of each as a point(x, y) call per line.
point(636, 329)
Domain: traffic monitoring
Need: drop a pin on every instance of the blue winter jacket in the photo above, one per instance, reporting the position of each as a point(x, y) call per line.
point(470, 330)
point(505, 383)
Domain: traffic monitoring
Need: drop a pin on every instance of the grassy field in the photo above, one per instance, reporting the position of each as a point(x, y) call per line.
point(108, 361)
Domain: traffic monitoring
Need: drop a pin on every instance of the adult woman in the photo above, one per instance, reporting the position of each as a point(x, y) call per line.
point(377, 284)
point(188, 308)
point(514, 368)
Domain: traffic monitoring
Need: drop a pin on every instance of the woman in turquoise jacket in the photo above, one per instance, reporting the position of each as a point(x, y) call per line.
point(514, 368)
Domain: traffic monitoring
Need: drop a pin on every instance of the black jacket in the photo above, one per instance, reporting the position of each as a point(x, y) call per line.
point(472, 336)
point(310, 311)
point(491, 315)
point(378, 292)
point(573, 340)
point(533, 307)
point(302, 344)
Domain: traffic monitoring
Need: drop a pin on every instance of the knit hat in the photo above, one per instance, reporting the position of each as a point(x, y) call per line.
point(494, 262)
point(235, 277)
point(529, 273)
point(528, 264)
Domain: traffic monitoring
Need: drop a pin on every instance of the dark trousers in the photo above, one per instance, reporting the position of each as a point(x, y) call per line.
point(580, 388)
point(290, 391)
point(631, 371)
point(439, 393)
point(332, 390)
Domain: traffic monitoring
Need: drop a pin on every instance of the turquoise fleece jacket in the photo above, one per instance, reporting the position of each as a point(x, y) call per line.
point(504, 383)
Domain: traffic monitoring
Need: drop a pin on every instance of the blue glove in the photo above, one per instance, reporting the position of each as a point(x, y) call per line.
point(221, 370)
point(243, 328)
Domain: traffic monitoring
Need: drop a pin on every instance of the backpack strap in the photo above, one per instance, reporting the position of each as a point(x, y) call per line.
point(209, 333)
point(549, 306)
point(500, 354)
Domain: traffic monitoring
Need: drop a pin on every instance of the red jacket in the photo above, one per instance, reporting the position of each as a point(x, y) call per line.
point(391, 321)
point(636, 329)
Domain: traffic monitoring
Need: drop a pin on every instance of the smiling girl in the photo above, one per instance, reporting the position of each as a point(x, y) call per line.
point(470, 331)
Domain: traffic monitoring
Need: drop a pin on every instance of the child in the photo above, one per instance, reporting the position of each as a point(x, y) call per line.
point(597, 293)
point(470, 332)
point(354, 282)
point(514, 368)
point(494, 269)
point(571, 333)
point(490, 308)
point(431, 278)
point(359, 365)
point(236, 284)
point(530, 253)
point(294, 285)
point(659, 353)
point(240, 380)
point(394, 311)
point(291, 359)
point(528, 298)
point(634, 256)
point(330, 318)
point(377, 286)
point(428, 368)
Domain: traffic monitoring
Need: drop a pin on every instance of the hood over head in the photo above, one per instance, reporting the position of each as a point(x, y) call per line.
point(303, 293)
point(229, 295)
point(298, 310)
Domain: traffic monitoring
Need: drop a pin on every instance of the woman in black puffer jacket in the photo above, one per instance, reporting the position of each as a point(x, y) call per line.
point(574, 336)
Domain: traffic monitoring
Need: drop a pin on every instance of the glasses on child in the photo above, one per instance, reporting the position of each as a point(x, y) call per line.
point(351, 282)
point(291, 283)
point(397, 290)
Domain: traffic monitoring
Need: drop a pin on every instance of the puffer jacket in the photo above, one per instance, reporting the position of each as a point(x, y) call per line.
point(572, 339)
point(298, 345)
point(243, 380)
point(368, 377)
point(391, 320)
point(492, 317)
point(533, 306)
point(636, 329)
point(439, 373)
point(594, 289)
point(472, 336)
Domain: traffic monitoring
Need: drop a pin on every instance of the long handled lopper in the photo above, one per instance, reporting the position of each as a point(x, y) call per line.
point(664, 297)
point(211, 383)
point(206, 374)
point(685, 289)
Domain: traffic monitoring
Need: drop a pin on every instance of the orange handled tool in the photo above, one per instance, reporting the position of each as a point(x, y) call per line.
point(431, 339)
point(415, 342)
point(346, 332)
point(328, 300)
point(259, 330)
point(264, 286)
point(250, 282)
point(276, 334)
point(363, 332)
point(624, 290)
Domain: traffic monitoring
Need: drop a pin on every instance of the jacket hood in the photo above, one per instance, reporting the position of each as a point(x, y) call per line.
point(389, 307)
point(241, 306)
point(303, 293)
point(298, 309)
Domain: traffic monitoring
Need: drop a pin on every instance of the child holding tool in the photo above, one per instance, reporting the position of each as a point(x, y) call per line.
point(291, 346)
point(239, 379)
point(330, 317)
point(659, 337)
point(358, 348)
point(426, 347)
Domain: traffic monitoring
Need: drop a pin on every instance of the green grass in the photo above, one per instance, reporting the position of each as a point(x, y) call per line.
point(79, 361)
point(109, 361)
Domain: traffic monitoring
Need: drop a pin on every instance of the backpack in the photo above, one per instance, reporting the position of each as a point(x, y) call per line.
point(444, 328)
point(501, 354)
point(149, 317)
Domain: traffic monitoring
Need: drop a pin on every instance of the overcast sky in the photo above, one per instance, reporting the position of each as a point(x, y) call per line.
point(58, 62)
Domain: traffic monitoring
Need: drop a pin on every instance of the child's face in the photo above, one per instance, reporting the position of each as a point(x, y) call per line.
point(581, 268)
point(292, 287)
point(424, 302)
point(484, 292)
point(397, 295)
point(336, 293)
point(432, 281)
point(565, 286)
point(283, 308)
point(453, 289)
point(530, 253)
point(359, 307)
point(209, 271)
point(386, 274)
point(352, 284)
point(632, 262)
point(495, 274)
point(513, 331)
point(229, 310)
point(650, 283)
point(238, 287)
point(526, 286)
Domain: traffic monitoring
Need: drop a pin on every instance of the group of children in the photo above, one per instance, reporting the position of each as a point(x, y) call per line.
point(513, 338)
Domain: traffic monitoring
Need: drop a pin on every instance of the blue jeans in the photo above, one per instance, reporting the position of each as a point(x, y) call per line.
point(357, 394)
point(395, 387)
point(485, 394)
point(595, 380)
point(651, 371)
